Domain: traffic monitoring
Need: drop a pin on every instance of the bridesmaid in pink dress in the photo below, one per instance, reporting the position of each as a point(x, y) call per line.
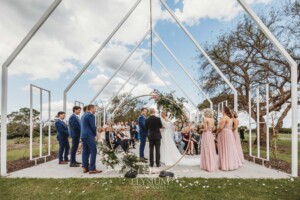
point(237, 136)
point(228, 155)
point(209, 158)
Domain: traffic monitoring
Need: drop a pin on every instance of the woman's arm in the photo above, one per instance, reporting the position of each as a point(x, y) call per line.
point(221, 125)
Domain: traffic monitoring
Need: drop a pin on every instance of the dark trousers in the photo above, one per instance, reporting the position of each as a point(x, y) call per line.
point(196, 148)
point(64, 148)
point(75, 144)
point(143, 138)
point(132, 139)
point(89, 152)
point(124, 144)
point(154, 144)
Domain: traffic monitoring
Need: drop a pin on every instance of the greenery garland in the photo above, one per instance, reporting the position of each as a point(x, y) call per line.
point(108, 156)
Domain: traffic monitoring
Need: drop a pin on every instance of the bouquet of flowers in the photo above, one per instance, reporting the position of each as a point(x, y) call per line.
point(109, 158)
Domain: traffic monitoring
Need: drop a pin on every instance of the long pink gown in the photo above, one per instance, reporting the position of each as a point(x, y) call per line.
point(239, 145)
point(209, 158)
point(228, 155)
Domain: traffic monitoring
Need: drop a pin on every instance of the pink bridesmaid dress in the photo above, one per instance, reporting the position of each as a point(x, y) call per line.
point(228, 155)
point(239, 145)
point(209, 158)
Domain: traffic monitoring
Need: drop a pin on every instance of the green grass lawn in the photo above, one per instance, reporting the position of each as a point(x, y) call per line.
point(19, 147)
point(119, 188)
point(284, 148)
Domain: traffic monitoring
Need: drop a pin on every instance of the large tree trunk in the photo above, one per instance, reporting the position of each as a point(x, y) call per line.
point(279, 123)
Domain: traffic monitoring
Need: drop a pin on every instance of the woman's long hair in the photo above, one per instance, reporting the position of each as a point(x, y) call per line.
point(227, 112)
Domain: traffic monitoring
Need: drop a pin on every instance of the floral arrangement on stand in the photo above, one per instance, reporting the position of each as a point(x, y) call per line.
point(130, 161)
point(108, 156)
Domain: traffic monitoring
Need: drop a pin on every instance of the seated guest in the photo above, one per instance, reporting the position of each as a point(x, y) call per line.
point(196, 140)
point(122, 140)
point(189, 145)
point(62, 137)
point(178, 140)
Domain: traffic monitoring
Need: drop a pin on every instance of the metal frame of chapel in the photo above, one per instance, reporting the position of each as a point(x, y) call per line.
point(55, 4)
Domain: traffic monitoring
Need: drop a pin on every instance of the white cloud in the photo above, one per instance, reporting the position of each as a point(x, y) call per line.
point(194, 10)
point(71, 35)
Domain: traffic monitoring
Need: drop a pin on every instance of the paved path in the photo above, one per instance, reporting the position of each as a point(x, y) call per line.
point(53, 170)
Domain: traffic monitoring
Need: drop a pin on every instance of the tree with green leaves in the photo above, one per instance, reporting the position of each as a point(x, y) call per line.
point(18, 122)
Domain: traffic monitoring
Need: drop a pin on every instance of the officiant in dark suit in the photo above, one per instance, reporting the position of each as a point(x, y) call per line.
point(153, 125)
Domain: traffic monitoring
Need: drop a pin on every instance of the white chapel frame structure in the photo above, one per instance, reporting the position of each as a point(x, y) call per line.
point(54, 5)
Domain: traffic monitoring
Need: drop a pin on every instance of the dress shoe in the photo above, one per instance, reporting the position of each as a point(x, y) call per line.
point(85, 170)
point(159, 165)
point(67, 160)
point(95, 172)
point(74, 165)
point(63, 163)
point(78, 163)
point(143, 160)
point(150, 165)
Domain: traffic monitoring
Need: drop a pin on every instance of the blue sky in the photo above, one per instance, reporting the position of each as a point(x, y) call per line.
point(75, 30)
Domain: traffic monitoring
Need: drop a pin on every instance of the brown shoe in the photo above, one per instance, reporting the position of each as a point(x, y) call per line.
point(95, 172)
point(63, 163)
point(85, 170)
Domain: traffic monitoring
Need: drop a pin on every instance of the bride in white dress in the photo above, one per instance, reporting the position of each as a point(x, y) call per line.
point(169, 152)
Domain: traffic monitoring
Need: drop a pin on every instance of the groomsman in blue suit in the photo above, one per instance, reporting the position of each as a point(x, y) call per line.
point(143, 133)
point(62, 137)
point(88, 135)
point(74, 124)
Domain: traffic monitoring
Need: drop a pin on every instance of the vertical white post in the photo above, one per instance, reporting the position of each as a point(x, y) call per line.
point(49, 127)
point(250, 128)
point(41, 122)
point(104, 116)
point(257, 123)
point(267, 121)
point(30, 124)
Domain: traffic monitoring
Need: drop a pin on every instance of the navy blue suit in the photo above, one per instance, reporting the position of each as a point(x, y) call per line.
point(74, 124)
point(62, 137)
point(88, 134)
point(143, 134)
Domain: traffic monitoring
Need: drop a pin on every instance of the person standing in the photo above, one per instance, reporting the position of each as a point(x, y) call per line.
point(209, 158)
point(154, 124)
point(88, 135)
point(228, 155)
point(236, 136)
point(74, 123)
point(62, 137)
point(132, 134)
point(143, 134)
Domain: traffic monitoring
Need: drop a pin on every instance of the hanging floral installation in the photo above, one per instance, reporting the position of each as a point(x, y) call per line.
point(172, 105)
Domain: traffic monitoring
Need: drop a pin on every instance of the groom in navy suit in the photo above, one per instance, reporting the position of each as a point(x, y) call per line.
point(62, 137)
point(88, 135)
point(74, 124)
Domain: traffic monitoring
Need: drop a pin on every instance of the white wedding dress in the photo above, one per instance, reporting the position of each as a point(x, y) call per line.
point(169, 152)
